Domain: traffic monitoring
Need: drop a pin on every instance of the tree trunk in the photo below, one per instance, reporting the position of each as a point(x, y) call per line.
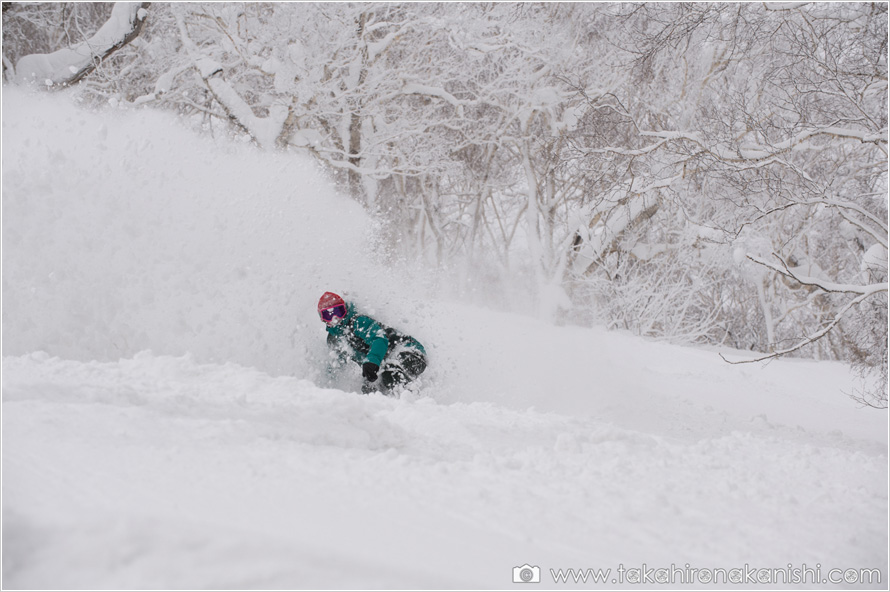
point(355, 121)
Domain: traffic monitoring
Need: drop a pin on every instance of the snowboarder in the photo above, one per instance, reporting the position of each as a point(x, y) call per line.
point(382, 352)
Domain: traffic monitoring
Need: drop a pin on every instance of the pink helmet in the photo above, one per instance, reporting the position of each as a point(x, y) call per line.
point(331, 306)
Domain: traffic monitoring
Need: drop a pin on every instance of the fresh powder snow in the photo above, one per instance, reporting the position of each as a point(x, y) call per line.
point(166, 423)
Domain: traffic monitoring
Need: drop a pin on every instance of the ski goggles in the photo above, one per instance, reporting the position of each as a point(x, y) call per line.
point(328, 314)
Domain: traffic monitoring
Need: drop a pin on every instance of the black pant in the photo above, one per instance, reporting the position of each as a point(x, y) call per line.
point(401, 369)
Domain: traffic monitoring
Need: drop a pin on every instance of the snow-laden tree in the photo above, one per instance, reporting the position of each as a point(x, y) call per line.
point(517, 76)
point(327, 78)
point(447, 119)
point(778, 118)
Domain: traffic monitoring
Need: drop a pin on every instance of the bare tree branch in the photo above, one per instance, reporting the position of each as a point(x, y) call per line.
point(810, 338)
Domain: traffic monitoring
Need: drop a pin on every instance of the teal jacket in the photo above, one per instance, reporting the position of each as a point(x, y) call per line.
point(366, 340)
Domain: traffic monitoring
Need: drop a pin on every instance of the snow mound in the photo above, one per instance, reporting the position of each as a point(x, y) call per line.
point(162, 472)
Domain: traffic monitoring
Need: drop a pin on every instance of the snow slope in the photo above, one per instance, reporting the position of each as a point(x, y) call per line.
point(164, 424)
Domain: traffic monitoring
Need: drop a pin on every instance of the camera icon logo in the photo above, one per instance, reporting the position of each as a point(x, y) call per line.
point(527, 574)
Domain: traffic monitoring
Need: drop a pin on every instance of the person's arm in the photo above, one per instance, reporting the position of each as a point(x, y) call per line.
point(372, 333)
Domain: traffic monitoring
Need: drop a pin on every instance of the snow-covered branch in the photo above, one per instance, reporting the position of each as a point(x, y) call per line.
point(862, 292)
point(265, 131)
point(824, 285)
point(414, 88)
point(71, 64)
point(813, 337)
point(878, 231)
point(782, 6)
point(755, 152)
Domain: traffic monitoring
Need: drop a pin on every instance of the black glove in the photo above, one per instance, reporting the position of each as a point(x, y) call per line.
point(369, 371)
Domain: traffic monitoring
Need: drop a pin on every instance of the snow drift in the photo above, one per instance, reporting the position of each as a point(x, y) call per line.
point(164, 424)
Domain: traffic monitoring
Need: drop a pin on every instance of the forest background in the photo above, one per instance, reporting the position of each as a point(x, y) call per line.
point(709, 173)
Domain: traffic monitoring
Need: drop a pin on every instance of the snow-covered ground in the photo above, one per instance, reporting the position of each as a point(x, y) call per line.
point(164, 424)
